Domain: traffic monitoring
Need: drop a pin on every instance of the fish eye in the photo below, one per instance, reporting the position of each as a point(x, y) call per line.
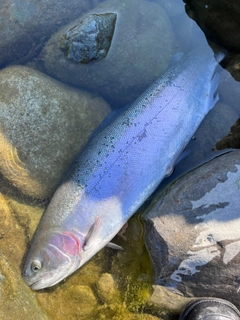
point(36, 266)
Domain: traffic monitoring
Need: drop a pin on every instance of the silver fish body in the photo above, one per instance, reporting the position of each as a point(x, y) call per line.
point(119, 168)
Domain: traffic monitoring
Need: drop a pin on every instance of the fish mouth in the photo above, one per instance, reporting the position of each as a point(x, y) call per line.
point(39, 284)
point(43, 282)
point(34, 284)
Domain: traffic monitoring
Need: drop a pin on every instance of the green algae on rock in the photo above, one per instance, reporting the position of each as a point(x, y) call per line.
point(16, 300)
point(44, 124)
point(107, 288)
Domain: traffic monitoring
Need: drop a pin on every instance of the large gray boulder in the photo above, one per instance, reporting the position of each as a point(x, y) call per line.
point(26, 25)
point(192, 231)
point(140, 51)
point(43, 126)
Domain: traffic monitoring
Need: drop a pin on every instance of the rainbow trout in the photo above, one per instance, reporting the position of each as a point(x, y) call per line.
point(120, 168)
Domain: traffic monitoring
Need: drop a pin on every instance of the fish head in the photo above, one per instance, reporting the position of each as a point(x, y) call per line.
point(52, 259)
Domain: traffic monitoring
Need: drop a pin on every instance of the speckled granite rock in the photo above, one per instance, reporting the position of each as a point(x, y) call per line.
point(192, 231)
point(26, 25)
point(141, 49)
point(43, 126)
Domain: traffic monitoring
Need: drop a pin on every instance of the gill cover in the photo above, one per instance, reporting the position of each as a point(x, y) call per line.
point(53, 261)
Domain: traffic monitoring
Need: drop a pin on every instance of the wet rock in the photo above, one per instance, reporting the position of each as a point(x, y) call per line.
point(9, 232)
point(25, 26)
point(16, 300)
point(44, 125)
point(220, 18)
point(90, 39)
point(192, 231)
point(140, 51)
point(232, 139)
point(83, 297)
point(166, 303)
point(107, 288)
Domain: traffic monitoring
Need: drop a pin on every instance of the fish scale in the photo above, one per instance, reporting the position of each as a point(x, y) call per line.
point(120, 168)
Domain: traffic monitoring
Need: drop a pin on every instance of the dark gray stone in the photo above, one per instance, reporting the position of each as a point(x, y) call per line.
point(90, 39)
point(192, 231)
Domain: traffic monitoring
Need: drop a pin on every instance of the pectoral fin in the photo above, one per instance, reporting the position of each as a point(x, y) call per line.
point(92, 234)
point(114, 246)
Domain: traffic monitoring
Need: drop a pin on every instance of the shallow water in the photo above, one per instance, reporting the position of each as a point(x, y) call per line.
point(114, 284)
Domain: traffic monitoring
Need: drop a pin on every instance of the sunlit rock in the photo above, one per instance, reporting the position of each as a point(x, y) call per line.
point(82, 298)
point(43, 126)
point(107, 288)
point(166, 303)
point(192, 231)
point(16, 299)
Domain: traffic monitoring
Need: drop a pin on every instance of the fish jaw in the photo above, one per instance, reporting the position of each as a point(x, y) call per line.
point(56, 257)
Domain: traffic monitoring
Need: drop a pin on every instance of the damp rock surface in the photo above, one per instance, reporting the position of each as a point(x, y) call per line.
point(90, 39)
point(43, 126)
point(140, 51)
point(17, 301)
point(192, 231)
point(26, 25)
